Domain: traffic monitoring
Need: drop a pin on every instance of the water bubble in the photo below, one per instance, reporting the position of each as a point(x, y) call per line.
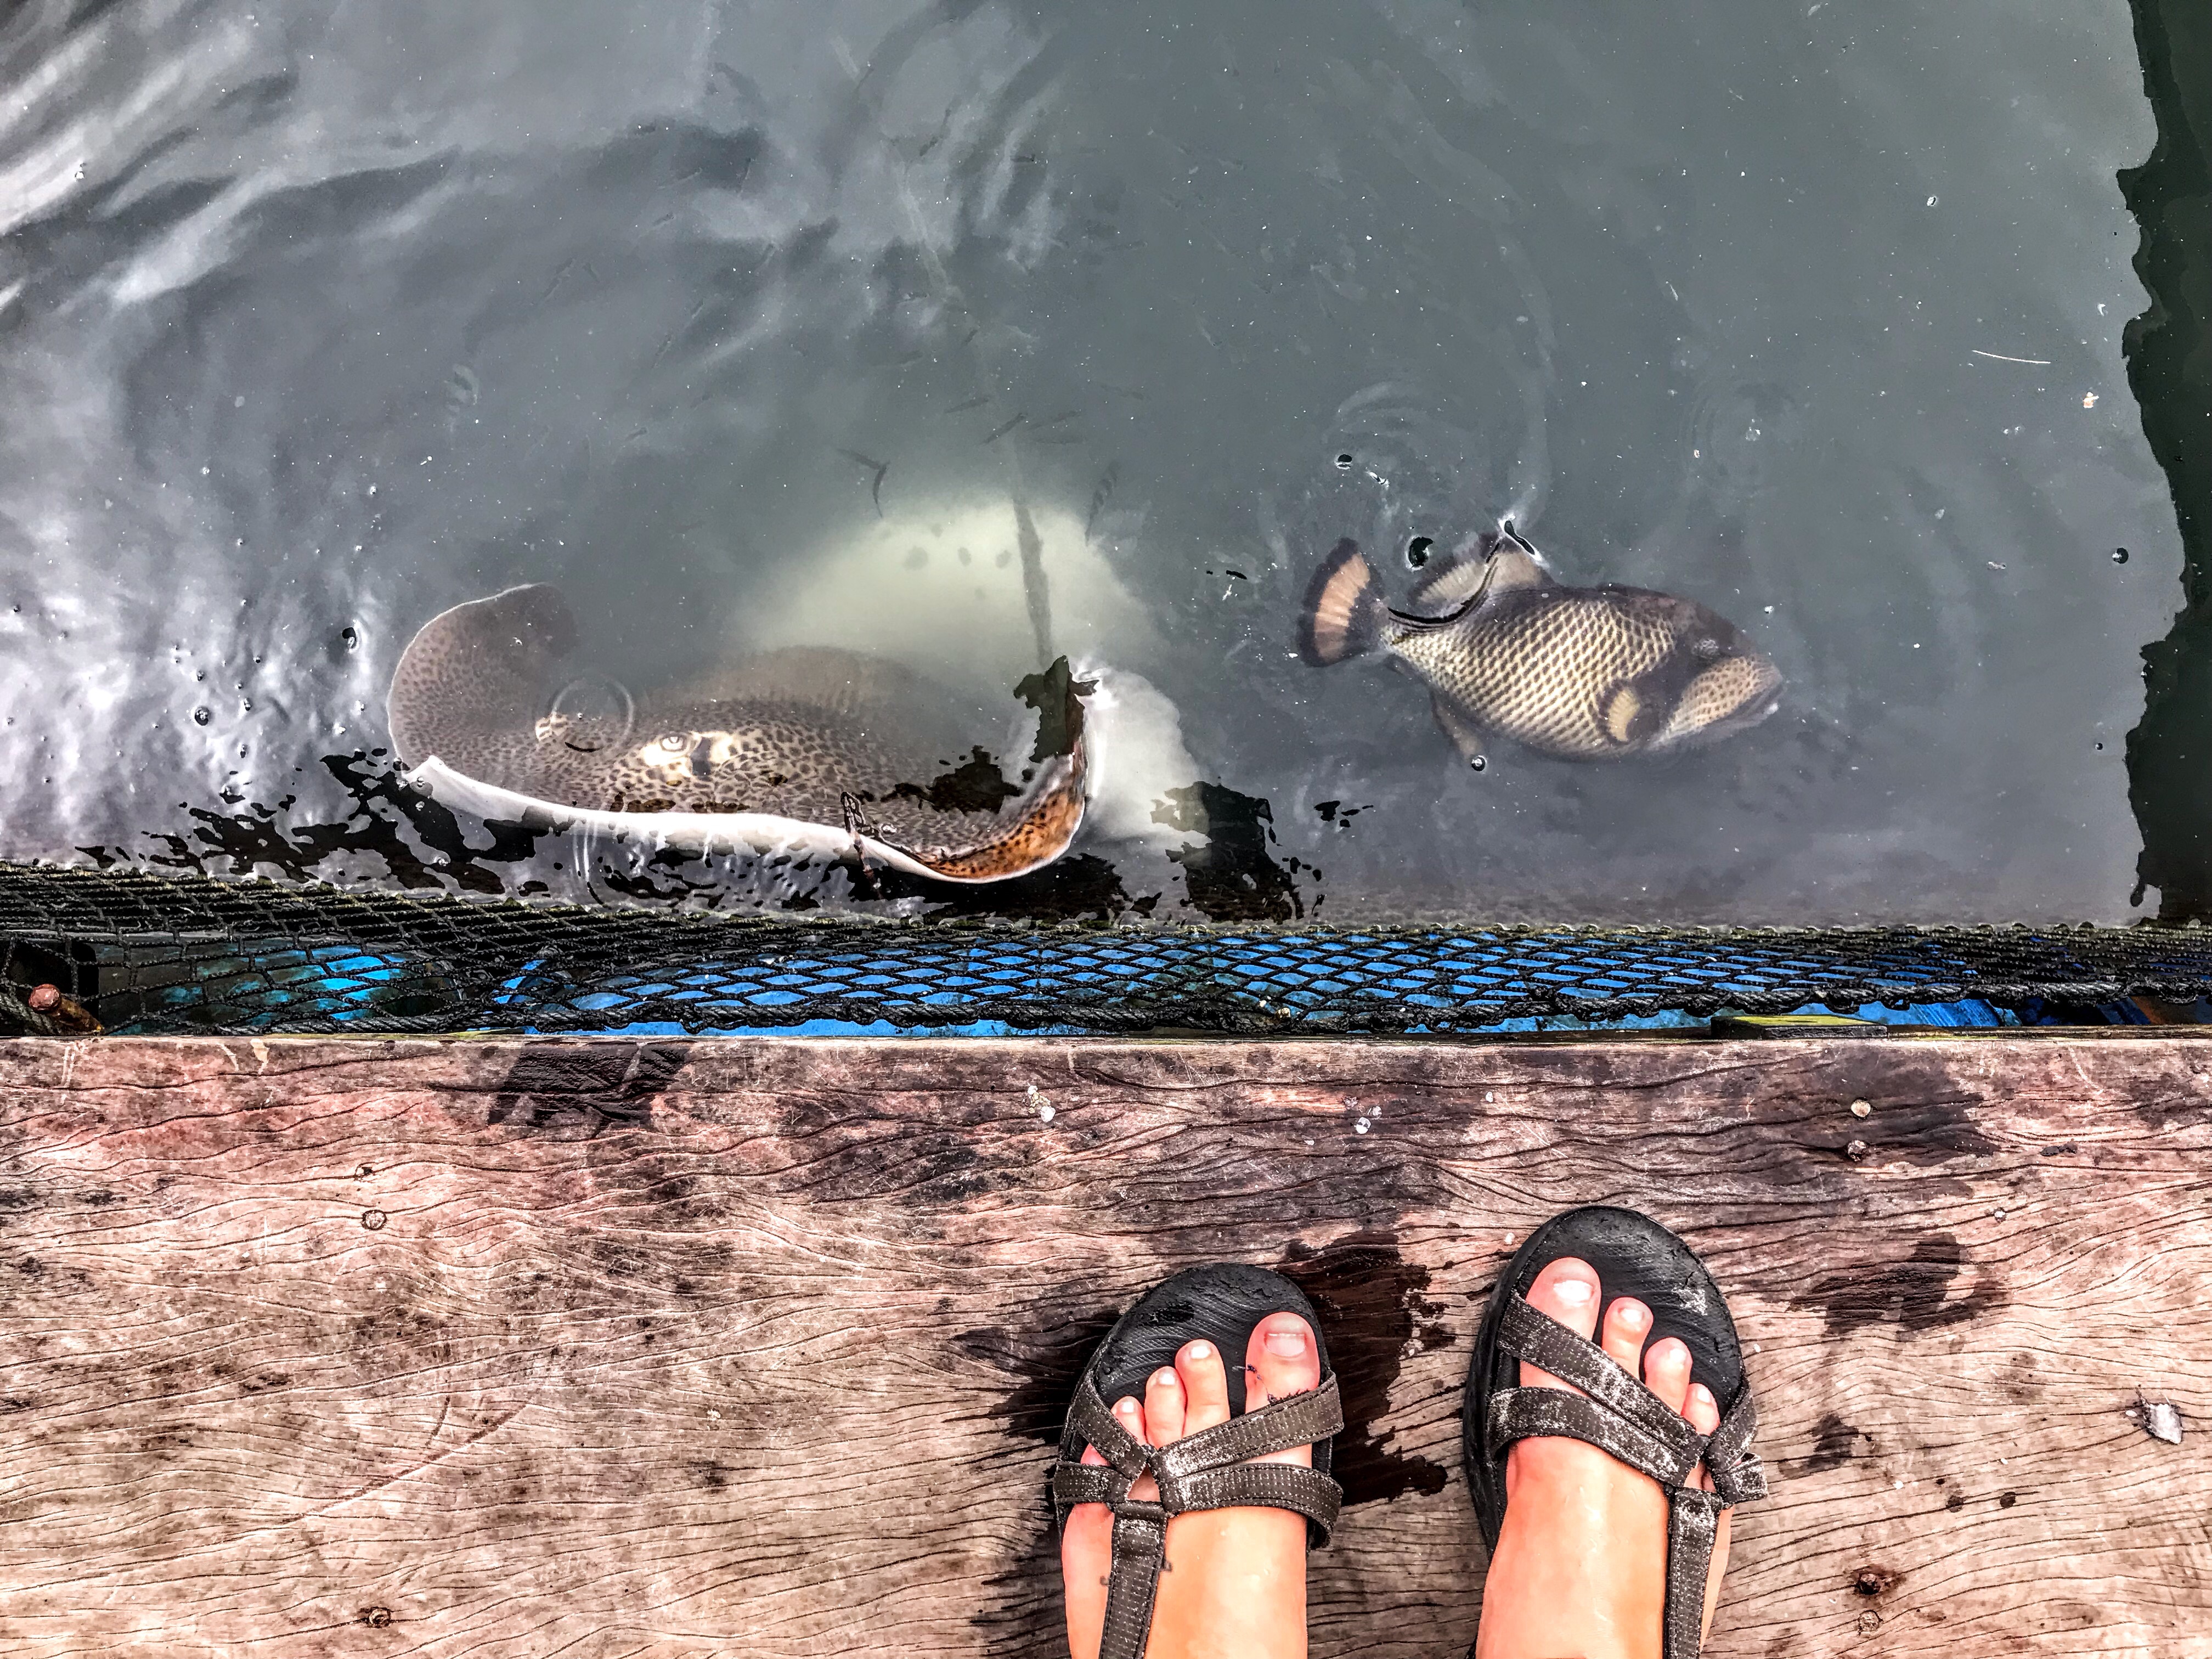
point(1478, 763)
point(1360, 1128)
point(1344, 462)
point(349, 636)
point(589, 714)
point(1417, 550)
point(2119, 555)
point(202, 716)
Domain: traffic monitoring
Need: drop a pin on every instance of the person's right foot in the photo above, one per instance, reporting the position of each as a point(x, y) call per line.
point(1580, 1564)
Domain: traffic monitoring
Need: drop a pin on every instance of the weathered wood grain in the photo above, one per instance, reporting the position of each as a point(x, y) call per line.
point(595, 1348)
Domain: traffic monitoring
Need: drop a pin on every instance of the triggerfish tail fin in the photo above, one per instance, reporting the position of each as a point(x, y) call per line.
point(1042, 826)
point(1345, 613)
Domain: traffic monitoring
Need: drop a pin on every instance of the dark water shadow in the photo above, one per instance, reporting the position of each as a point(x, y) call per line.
point(2169, 356)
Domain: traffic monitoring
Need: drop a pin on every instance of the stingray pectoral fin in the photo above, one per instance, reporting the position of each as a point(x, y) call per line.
point(1042, 827)
point(1467, 736)
point(469, 683)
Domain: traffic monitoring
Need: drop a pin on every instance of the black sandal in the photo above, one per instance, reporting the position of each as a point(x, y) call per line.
point(1634, 1256)
point(1221, 1304)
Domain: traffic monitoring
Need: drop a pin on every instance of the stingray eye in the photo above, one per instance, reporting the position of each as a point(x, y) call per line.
point(1706, 650)
point(1417, 550)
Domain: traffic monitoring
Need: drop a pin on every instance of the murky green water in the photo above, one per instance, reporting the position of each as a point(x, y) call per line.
point(760, 324)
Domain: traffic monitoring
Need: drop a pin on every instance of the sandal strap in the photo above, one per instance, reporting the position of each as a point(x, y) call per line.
point(1207, 1470)
point(1260, 1485)
point(1738, 1475)
point(1297, 1419)
point(1527, 1333)
point(1140, 1555)
point(1527, 1413)
point(1248, 1486)
point(1088, 1417)
point(1693, 1519)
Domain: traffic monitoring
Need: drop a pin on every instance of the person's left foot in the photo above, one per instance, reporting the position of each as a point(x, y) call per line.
point(1236, 1582)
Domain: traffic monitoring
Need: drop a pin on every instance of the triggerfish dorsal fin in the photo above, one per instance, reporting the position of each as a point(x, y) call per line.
point(1459, 588)
point(1511, 567)
point(1447, 589)
point(1514, 564)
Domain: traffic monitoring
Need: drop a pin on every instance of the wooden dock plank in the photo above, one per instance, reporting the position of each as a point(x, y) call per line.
point(598, 1348)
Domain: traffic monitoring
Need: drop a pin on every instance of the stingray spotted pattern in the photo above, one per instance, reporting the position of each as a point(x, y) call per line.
point(845, 754)
point(1583, 673)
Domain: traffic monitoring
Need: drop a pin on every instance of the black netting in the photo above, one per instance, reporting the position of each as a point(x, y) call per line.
point(141, 954)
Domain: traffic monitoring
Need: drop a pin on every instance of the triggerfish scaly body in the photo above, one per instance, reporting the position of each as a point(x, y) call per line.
point(1583, 673)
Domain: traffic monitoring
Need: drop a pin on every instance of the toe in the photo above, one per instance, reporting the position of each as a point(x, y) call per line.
point(1703, 1411)
point(1205, 1386)
point(1666, 1373)
point(1163, 1407)
point(1627, 1322)
point(1129, 1413)
point(1566, 1290)
point(1281, 1359)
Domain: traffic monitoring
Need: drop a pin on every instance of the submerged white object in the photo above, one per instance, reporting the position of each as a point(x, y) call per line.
point(941, 587)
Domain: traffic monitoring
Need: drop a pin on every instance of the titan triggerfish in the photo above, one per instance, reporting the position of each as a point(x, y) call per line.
point(1583, 673)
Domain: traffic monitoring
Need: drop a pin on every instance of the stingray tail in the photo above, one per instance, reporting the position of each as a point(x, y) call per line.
point(1040, 828)
point(1345, 611)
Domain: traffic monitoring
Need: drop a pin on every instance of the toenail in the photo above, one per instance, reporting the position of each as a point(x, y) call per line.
point(1285, 1345)
point(1199, 1350)
point(1635, 1316)
point(1166, 1379)
point(1573, 1290)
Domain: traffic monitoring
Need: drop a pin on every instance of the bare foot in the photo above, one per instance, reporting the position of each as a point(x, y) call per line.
point(1235, 1587)
point(1581, 1563)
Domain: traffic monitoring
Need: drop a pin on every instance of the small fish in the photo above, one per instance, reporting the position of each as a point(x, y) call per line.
point(1583, 673)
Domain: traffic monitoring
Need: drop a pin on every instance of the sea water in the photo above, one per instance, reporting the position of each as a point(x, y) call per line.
point(762, 322)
